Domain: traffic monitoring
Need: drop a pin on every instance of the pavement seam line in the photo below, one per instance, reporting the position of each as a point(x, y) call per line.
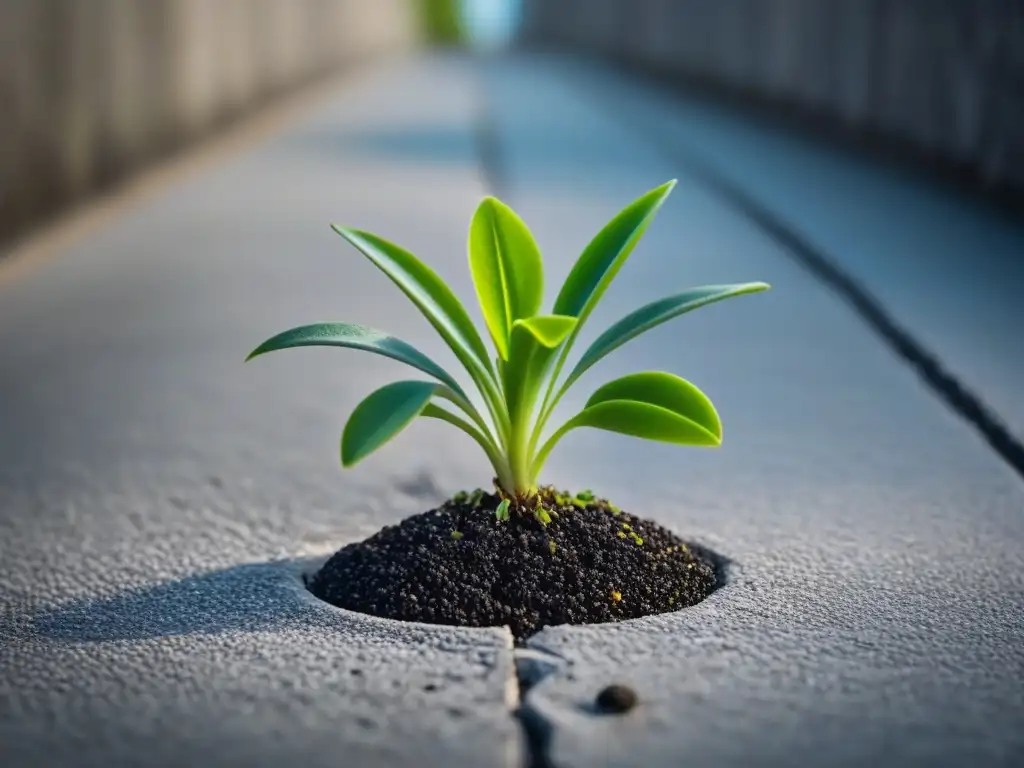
point(533, 666)
point(944, 385)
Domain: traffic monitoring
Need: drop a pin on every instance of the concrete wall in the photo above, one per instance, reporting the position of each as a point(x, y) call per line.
point(944, 75)
point(91, 88)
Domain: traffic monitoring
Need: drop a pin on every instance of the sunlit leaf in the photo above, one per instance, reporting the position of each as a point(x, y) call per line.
point(532, 348)
point(381, 416)
point(352, 336)
point(428, 291)
point(606, 253)
point(651, 405)
point(652, 315)
point(666, 391)
point(507, 269)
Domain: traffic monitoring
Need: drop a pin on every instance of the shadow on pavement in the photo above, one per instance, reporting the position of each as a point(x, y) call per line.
point(254, 597)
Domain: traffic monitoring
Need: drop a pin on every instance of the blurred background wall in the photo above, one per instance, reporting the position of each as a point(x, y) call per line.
point(89, 89)
point(943, 79)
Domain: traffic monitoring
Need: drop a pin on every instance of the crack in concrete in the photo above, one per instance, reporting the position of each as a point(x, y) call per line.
point(533, 665)
point(944, 385)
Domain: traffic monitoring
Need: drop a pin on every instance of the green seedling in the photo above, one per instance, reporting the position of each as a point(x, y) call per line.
point(502, 511)
point(520, 388)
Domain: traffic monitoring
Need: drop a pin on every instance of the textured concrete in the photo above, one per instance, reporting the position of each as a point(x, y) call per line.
point(150, 482)
point(155, 492)
point(873, 614)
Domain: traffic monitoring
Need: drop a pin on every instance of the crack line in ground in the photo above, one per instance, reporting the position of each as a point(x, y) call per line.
point(950, 390)
point(532, 667)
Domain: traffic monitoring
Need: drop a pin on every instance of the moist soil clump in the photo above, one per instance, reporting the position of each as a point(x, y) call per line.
point(460, 565)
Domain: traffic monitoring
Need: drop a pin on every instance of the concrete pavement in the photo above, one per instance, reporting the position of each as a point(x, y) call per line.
point(873, 613)
point(157, 497)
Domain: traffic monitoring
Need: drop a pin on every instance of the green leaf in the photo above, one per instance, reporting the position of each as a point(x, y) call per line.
point(666, 391)
point(355, 336)
point(532, 347)
point(548, 330)
point(593, 273)
point(651, 405)
point(381, 416)
point(606, 253)
point(507, 269)
point(428, 292)
point(654, 314)
point(502, 511)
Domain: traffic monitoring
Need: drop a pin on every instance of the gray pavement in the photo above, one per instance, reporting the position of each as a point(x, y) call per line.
point(949, 270)
point(158, 498)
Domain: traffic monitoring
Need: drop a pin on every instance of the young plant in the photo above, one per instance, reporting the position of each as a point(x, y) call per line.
point(520, 389)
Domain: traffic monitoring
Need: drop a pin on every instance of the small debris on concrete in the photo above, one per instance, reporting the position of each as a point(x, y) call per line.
point(616, 699)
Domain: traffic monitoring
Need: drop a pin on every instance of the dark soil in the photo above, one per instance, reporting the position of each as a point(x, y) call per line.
point(460, 565)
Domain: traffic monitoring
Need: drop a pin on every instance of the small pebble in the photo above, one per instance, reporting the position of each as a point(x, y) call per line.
point(616, 699)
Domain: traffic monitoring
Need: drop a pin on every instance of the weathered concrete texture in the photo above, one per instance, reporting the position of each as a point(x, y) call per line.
point(92, 88)
point(154, 490)
point(949, 272)
point(945, 77)
point(150, 482)
point(873, 614)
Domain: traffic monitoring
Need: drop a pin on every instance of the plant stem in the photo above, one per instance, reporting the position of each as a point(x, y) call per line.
point(501, 466)
point(542, 456)
point(466, 407)
point(495, 404)
point(519, 457)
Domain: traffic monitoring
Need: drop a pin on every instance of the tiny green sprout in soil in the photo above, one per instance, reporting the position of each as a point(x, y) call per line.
point(518, 571)
point(538, 556)
point(520, 386)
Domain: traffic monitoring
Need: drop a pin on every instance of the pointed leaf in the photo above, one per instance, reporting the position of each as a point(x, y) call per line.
point(507, 269)
point(531, 350)
point(381, 416)
point(654, 314)
point(428, 292)
point(355, 336)
point(606, 253)
point(668, 392)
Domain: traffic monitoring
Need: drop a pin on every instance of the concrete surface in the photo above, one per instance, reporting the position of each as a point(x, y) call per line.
point(155, 493)
point(949, 271)
point(150, 481)
point(874, 610)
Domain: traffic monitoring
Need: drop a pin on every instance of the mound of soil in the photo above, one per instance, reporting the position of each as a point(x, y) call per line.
point(460, 565)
